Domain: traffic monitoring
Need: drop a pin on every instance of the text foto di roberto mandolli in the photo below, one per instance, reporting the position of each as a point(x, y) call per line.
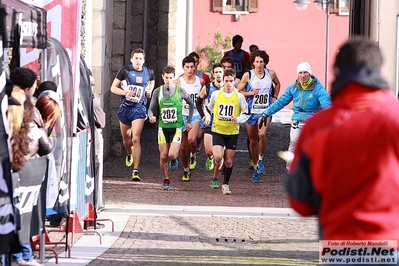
point(358, 252)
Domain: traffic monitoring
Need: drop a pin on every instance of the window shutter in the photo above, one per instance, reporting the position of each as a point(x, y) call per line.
point(217, 5)
point(253, 6)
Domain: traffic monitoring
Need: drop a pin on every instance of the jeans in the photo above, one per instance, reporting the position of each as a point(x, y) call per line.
point(26, 254)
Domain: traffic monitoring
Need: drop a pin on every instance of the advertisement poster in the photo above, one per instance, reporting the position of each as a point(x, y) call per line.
point(63, 31)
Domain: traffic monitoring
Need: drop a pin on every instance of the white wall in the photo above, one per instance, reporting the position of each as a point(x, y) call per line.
point(384, 29)
point(180, 32)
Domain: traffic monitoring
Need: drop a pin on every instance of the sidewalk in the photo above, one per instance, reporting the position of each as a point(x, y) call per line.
point(193, 224)
point(181, 235)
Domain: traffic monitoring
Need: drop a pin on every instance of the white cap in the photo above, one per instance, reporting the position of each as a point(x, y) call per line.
point(304, 66)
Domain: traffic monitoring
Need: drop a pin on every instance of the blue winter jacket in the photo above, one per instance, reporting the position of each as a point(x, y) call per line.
point(306, 102)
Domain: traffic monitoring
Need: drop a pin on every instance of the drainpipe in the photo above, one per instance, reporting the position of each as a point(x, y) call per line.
point(397, 58)
point(189, 26)
point(128, 25)
point(145, 25)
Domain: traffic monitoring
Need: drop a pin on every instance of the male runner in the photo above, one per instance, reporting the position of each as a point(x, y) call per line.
point(168, 98)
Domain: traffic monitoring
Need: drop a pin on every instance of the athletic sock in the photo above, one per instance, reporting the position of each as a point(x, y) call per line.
point(227, 174)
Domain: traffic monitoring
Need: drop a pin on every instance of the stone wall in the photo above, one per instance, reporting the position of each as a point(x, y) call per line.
point(136, 24)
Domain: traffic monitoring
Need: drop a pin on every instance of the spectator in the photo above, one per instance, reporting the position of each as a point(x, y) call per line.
point(24, 81)
point(44, 86)
point(309, 96)
point(345, 168)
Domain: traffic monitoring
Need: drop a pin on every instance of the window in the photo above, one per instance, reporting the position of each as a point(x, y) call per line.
point(343, 7)
point(235, 6)
point(340, 7)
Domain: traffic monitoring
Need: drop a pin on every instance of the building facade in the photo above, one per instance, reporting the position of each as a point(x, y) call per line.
point(169, 30)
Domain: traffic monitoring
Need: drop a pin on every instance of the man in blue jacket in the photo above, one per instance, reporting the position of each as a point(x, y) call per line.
point(309, 96)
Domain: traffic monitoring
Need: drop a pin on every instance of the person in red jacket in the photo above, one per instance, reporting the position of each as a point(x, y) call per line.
point(346, 164)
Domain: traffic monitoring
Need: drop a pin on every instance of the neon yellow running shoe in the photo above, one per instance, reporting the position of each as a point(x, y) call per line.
point(251, 164)
point(135, 176)
point(129, 160)
point(186, 176)
point(209, 164)
point(193, 162)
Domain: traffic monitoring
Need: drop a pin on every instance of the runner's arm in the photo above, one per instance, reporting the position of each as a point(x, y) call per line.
point(211, 105)
point(115, 87)
point(154, 103)
point(245, 112)
point(277, 85)
point(242, 85)
point(200, 101)
point(187, 98)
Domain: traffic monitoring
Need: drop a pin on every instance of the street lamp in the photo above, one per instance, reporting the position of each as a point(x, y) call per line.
point(320, 4)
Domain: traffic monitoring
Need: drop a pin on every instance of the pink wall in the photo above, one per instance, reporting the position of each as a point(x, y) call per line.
point(288, 35)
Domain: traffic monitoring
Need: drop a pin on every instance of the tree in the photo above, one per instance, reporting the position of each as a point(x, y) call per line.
point(213, 53)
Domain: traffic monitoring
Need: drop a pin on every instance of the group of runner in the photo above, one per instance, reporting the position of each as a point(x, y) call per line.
point(191, 108)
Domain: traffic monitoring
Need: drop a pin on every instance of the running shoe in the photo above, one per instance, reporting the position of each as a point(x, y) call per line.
point(226, 189)
point(186, 176)
point(209, 164)
point(214, 183)
point(251, 164)
point(135, 176)
point(129, 160)
point(193, 162)
point(174, 164)
point(166, 184)
point(261, 167)
point(256, 176)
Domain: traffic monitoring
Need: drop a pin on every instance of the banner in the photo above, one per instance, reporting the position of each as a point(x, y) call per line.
point(31, 178)
point(63, 24)
point(63, 52)
point(31, 21)
point(59, 70)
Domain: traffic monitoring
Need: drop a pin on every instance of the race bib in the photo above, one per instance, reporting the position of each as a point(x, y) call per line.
point(226, 111)
point(137, 93)
point(238, 67)
point(193, 97)
point(261, 101)
point(169, 115)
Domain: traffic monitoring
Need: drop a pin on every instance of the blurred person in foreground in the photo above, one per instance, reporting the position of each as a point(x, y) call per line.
point(346, 164)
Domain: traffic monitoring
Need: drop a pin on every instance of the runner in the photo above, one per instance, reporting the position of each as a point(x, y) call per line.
point(241, 58)
point(229, 108)
point(207, 80)
point(168, 98)
point(203, 100)
point(134, 83)
point(256, 85)
point(192, 84)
